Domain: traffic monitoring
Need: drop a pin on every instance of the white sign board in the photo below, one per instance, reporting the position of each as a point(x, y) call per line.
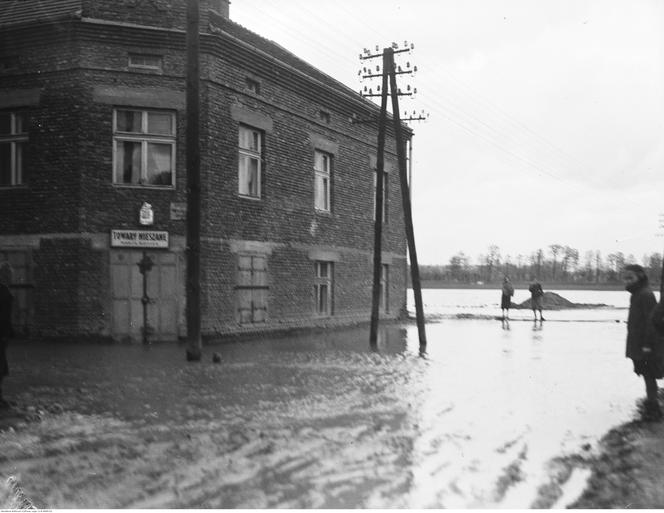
point(138, 239)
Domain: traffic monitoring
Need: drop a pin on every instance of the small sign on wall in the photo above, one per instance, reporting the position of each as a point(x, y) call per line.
point(146, 214)
point(139, 239)
point(178, 211)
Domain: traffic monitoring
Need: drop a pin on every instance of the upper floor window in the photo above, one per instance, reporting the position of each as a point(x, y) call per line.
point(250, 162)
point(385, 195)
point(143, 147)
point(324, 116)
point(145, 61)
point(252, 85)
point(13, 139)
point(322, 179)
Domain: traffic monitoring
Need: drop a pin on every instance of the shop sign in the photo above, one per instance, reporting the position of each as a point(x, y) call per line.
point(139, 239)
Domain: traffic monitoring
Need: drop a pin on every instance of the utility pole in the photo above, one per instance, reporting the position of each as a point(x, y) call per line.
point(390, 71)
point(661, 279)
point(378, 215)
point(194, 349)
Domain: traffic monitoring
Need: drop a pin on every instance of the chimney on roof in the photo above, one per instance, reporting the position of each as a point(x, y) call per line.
point(219, 7)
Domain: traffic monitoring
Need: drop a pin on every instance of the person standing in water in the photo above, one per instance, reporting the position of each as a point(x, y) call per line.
point(645, 346)
point(506, 297)
point(536, 296)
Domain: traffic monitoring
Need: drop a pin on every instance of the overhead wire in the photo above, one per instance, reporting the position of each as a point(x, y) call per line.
point(505, 140)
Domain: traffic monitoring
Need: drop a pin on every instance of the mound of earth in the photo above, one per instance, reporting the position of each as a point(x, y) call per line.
point(553, 301)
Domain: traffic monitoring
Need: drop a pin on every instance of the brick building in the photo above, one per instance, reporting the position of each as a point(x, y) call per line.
point(92, 128)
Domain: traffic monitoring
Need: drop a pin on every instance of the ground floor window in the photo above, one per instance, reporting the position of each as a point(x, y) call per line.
point(384, 287)
point(323, 287)
point(22, 288)
point(252, 289)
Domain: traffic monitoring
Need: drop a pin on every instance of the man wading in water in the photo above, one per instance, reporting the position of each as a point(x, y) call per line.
point(645, 346)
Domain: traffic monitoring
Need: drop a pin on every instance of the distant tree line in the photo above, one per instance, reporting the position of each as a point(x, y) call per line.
point(555, 264)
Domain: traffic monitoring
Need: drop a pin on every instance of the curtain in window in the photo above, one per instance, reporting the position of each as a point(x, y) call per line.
point(128, 162)
point(248, 176)
point(159, 170)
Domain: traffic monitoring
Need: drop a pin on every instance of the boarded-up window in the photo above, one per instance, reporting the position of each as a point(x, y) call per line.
point(252, 289)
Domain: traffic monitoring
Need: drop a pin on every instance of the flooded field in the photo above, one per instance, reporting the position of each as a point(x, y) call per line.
point(489, 416)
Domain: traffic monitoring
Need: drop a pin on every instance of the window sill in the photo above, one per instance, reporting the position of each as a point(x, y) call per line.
point(143, 187)
point(250, 198)
point(14, 187)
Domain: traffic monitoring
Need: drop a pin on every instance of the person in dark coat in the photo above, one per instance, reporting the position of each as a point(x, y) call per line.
point(506, 297)
point(6, 330)
point(645, 346)
point(536, 298)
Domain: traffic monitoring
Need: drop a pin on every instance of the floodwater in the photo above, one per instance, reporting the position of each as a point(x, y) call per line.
point(488, 416)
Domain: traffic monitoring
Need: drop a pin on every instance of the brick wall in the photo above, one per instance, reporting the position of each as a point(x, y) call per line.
point(70, 188)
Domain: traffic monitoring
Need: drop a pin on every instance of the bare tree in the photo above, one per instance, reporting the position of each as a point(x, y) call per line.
point(555, 249)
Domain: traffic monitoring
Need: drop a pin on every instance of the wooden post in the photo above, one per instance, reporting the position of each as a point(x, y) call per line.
point(193, 186)
point(405, 197)
point(144, 267)
point(378, 223)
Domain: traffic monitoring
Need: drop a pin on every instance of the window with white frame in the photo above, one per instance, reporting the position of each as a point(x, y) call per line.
point(323, 287)
point(252, 289)
point(13, 140)
point(143, 147)
point(250, 162)
point(385, 195)
point(322, 180)
point(384, 287)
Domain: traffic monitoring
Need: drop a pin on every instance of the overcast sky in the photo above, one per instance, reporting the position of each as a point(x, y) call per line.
point(545, 119)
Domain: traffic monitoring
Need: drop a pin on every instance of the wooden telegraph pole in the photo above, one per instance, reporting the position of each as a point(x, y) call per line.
point(390, 72)
point(194, 349)
point(378, 222)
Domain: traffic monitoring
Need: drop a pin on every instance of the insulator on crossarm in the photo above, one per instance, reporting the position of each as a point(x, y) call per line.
point(377, 68)
point(399, 90)
point(408, 87)
point(370, 91)
point(378, 89)
point(365, 89)
point(415, 69)
point(399, 69)
point(377, 48)
point(408, 64)
point(412, 46)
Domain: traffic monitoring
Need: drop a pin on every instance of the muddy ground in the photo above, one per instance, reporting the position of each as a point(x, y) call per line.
point(626, 473)
point(629, 471)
